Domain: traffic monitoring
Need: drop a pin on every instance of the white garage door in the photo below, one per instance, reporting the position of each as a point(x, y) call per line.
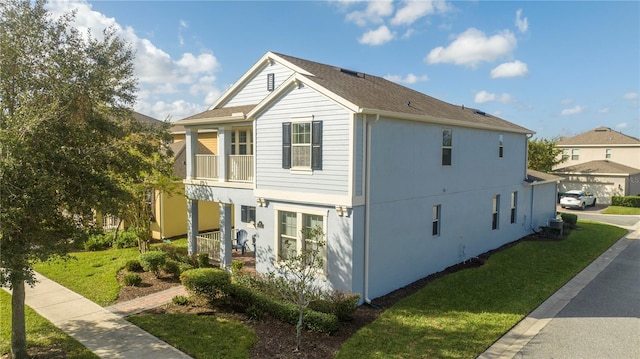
point(602, 190)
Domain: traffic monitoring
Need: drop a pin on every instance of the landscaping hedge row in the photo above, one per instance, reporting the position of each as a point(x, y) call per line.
point(626, 201)
point(283, 310)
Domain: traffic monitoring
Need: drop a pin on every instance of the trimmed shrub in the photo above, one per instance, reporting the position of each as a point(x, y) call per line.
point(132, 279)
point(98, 242)
point(258, 303)
point(133, 265)
point(203, 260)
point(208, 282)
point(176, 253)
point(180, 300)
point(626, 201)
point(237, 266)
point(126, 239)
point(172, 267)
point(153, 261)
point(570, 218)
point(340, 304)
point(184, 267)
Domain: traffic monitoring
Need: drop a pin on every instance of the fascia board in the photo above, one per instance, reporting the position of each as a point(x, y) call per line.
point(611, 145)
point(438, 120)
point(605, 174)
point(213, 120)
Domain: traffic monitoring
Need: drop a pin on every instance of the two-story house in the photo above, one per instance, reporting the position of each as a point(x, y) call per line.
point(402, 184)
point(601, 161)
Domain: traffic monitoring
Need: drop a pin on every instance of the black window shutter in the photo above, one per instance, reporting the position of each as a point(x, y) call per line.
point(316, 145)
point(286, 145)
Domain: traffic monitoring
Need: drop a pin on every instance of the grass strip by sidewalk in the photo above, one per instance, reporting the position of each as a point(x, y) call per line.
point(90, 274)
point(44, 340)
point(205, 336)
point(622, 210)
point(462, 314)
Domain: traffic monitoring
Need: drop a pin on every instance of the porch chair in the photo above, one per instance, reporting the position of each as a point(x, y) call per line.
point(241, 240)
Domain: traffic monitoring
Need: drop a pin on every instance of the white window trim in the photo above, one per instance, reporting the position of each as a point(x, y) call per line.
point(299, 210)
point(302, 169)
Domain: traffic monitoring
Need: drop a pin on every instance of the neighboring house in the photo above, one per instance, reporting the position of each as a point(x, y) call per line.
point(402, 184)
point(170, 208)
point(601, 161)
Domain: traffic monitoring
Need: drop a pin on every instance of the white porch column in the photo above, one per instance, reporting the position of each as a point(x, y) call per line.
point(224, 149)
point(225, 236)
point(192, 225)
point(191, 138)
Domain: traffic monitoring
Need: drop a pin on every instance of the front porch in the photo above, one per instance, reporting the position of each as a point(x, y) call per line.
point(209, 242)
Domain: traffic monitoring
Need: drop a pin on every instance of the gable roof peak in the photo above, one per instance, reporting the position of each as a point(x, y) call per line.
point(600, 136)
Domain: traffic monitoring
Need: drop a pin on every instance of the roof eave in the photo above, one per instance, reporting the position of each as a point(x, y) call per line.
point(440, 120)
point(212, 120)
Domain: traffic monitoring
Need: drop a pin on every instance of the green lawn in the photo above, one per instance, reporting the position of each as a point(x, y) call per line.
point(622, 210)
point(462, 314)
point(203, 336)
point(91, 274)
point(42, 336)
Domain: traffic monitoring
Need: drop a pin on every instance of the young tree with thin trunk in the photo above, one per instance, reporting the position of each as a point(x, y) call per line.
point(69, 145)
point(300, 272)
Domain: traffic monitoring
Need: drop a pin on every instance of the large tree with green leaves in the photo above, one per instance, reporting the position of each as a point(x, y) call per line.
point(544, 155)
point(68, 143)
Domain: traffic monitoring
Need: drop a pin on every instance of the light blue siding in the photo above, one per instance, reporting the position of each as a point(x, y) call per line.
point(256, 89)
point(300, 102)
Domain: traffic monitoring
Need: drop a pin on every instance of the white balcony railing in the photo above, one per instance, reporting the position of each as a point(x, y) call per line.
point(239, 167)
point(209, 242)
point(207, 166)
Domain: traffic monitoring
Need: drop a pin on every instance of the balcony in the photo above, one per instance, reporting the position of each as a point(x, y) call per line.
point(239, 168)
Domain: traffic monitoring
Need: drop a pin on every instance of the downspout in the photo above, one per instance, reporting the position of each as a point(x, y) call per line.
point(161, 215)
point(367, 209)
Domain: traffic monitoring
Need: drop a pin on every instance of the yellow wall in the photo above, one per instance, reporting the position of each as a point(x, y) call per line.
point(207, 142)
point(171, 211)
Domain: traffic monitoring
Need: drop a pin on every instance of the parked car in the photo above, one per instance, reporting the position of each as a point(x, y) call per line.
point(577, 199)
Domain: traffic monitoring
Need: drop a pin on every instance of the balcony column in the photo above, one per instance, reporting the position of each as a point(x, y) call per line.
point(191, 138)
point(225, 236)
point(224, 149)
point(192, 225)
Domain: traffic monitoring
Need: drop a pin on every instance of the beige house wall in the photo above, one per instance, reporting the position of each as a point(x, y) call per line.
point(628, 156)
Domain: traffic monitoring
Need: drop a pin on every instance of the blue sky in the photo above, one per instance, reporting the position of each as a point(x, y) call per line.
point(558, 68)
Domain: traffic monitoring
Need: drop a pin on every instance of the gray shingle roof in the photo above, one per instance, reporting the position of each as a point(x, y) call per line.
point(537, 176)
point(376, 93)
point(602, 166)
point(599, 136)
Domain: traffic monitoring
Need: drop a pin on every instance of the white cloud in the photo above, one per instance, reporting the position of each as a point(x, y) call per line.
point(414, 10)
point(377, 37)
point(510, 69)
point(162, 79)
point(604, 110)
point(572, 111)
point(566, 101)
point(408, 79)
point(407, 33)
point(622, 125)
point(375, 13)
point(630, 96)
point(521, 24)
point(472, 47)
point(484, 96)
point(181, 25)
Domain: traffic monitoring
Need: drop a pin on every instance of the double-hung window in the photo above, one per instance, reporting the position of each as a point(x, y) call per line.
point(495, 216)
point(447, 143)
point(297, 233)
point(248, 214)
point(241, 142)
point(514, 206)
point(435, 227)
point(575, 154)
point(302, 145)
point(500, 146)
point(607, 153)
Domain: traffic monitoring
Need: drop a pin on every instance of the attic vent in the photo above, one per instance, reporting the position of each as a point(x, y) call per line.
point(352, 73)
point(478, 112)
point(271, 79)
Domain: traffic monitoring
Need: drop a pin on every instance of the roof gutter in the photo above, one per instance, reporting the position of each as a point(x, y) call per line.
point(213, 120)
point(440, 120)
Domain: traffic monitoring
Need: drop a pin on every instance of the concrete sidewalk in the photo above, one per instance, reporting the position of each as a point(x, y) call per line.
point(104, 332)
point(593, 298)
